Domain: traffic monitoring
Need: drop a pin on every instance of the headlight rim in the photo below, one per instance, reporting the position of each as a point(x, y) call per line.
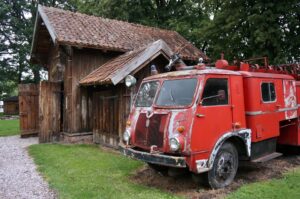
point(178, 144)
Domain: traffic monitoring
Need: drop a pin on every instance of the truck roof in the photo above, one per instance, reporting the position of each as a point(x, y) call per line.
point(192, 72)
point(245, 74)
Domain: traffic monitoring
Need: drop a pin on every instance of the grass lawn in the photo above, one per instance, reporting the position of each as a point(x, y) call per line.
point(83, 171)
point(287, 187)
point(9, 127)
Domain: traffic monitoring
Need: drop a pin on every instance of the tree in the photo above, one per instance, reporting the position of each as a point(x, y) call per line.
point(16, 29)
point(253, 29)
point(241, 29)
point(238, 28)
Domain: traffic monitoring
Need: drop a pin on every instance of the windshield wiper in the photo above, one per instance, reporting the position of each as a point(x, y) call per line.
point(171, 95)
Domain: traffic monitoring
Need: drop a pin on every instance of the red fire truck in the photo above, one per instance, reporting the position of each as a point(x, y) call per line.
point(207, 119)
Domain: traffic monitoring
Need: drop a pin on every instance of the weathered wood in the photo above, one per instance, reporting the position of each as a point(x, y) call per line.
point(81, 63)
point(50, 114)
point(35, 30)
point(147, 55)
point(29, 108)
point(11, 108)
point(56, 64)
point(106, 122)
point(47, 23)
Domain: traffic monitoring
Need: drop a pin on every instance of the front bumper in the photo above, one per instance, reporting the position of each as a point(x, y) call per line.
point(166, 160)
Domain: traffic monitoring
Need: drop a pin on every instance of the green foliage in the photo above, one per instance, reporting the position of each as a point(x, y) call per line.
point(9, 127)
point(16, 29)
point(253, 29)
point(288, 187)
point(82, 171)
point(241, 29)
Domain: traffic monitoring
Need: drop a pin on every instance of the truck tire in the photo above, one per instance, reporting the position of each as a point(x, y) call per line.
point(224, 167)
point(159, 168)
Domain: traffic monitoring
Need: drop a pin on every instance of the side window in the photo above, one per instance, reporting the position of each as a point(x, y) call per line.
point(215, 92)
point(268, 92)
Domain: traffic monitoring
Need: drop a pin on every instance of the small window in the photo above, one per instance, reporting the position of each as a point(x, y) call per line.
point(268, 92)
point(215, 92)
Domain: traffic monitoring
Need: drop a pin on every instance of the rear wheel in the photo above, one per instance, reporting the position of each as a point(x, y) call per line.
point(224, 168)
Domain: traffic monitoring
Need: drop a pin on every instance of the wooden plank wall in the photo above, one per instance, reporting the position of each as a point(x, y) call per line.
point(50, 111)
point(56, 66)
point(111, 109)
point(29, 109)
point(79, 102)
point(105, 117)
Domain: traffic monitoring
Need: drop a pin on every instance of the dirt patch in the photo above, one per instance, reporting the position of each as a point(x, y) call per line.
point(248, 173)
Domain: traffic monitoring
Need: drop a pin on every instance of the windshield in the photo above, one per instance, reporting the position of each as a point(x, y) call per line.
point(146, 94)
point(179, 92)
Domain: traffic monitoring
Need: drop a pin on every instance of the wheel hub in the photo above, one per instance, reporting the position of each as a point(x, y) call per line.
point(225, 166)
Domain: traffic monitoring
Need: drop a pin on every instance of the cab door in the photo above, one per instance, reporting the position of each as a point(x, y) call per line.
point(213, 116)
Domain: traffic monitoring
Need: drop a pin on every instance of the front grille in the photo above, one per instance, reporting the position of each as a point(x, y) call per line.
point(152, 135)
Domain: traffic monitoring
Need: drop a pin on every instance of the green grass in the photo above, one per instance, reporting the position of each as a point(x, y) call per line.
point(83, 171)
point(9, 127)
point(287, 187)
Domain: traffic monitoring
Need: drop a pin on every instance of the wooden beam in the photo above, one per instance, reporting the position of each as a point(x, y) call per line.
point(35, 30)
point(47, 23)
point(150, 60)
point(147, 54)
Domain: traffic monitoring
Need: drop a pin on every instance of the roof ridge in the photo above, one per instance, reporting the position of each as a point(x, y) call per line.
point(104, 18)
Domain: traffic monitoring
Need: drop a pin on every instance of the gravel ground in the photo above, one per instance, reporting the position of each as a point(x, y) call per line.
point(19, 178)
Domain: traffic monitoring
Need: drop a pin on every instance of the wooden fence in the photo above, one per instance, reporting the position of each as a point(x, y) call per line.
point(29, 109)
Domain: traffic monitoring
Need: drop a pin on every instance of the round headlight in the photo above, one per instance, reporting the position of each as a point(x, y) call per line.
point(126, 136)
point(174, 144)
point(130, 81)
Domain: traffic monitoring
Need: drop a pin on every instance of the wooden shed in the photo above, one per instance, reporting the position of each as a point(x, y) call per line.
point(11, 105)
point(87, 59)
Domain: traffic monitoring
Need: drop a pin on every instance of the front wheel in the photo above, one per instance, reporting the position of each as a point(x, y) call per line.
point(224, 167)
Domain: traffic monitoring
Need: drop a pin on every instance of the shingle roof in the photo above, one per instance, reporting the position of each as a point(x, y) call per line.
point(115, 70)
point(82, 30)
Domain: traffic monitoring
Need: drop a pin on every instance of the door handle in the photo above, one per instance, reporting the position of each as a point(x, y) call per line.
point(278, 106)
point(200, 115)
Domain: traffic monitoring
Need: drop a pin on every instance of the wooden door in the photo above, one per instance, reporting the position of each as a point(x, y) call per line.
point(106, 121)
point(50, 111)
point(29, 109)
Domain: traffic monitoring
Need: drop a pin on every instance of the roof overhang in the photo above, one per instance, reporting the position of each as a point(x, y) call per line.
point(132, 65)
point(148, 54)
point(41, 18)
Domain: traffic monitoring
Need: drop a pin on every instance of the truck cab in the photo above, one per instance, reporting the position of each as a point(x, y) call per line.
point(207, 120)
